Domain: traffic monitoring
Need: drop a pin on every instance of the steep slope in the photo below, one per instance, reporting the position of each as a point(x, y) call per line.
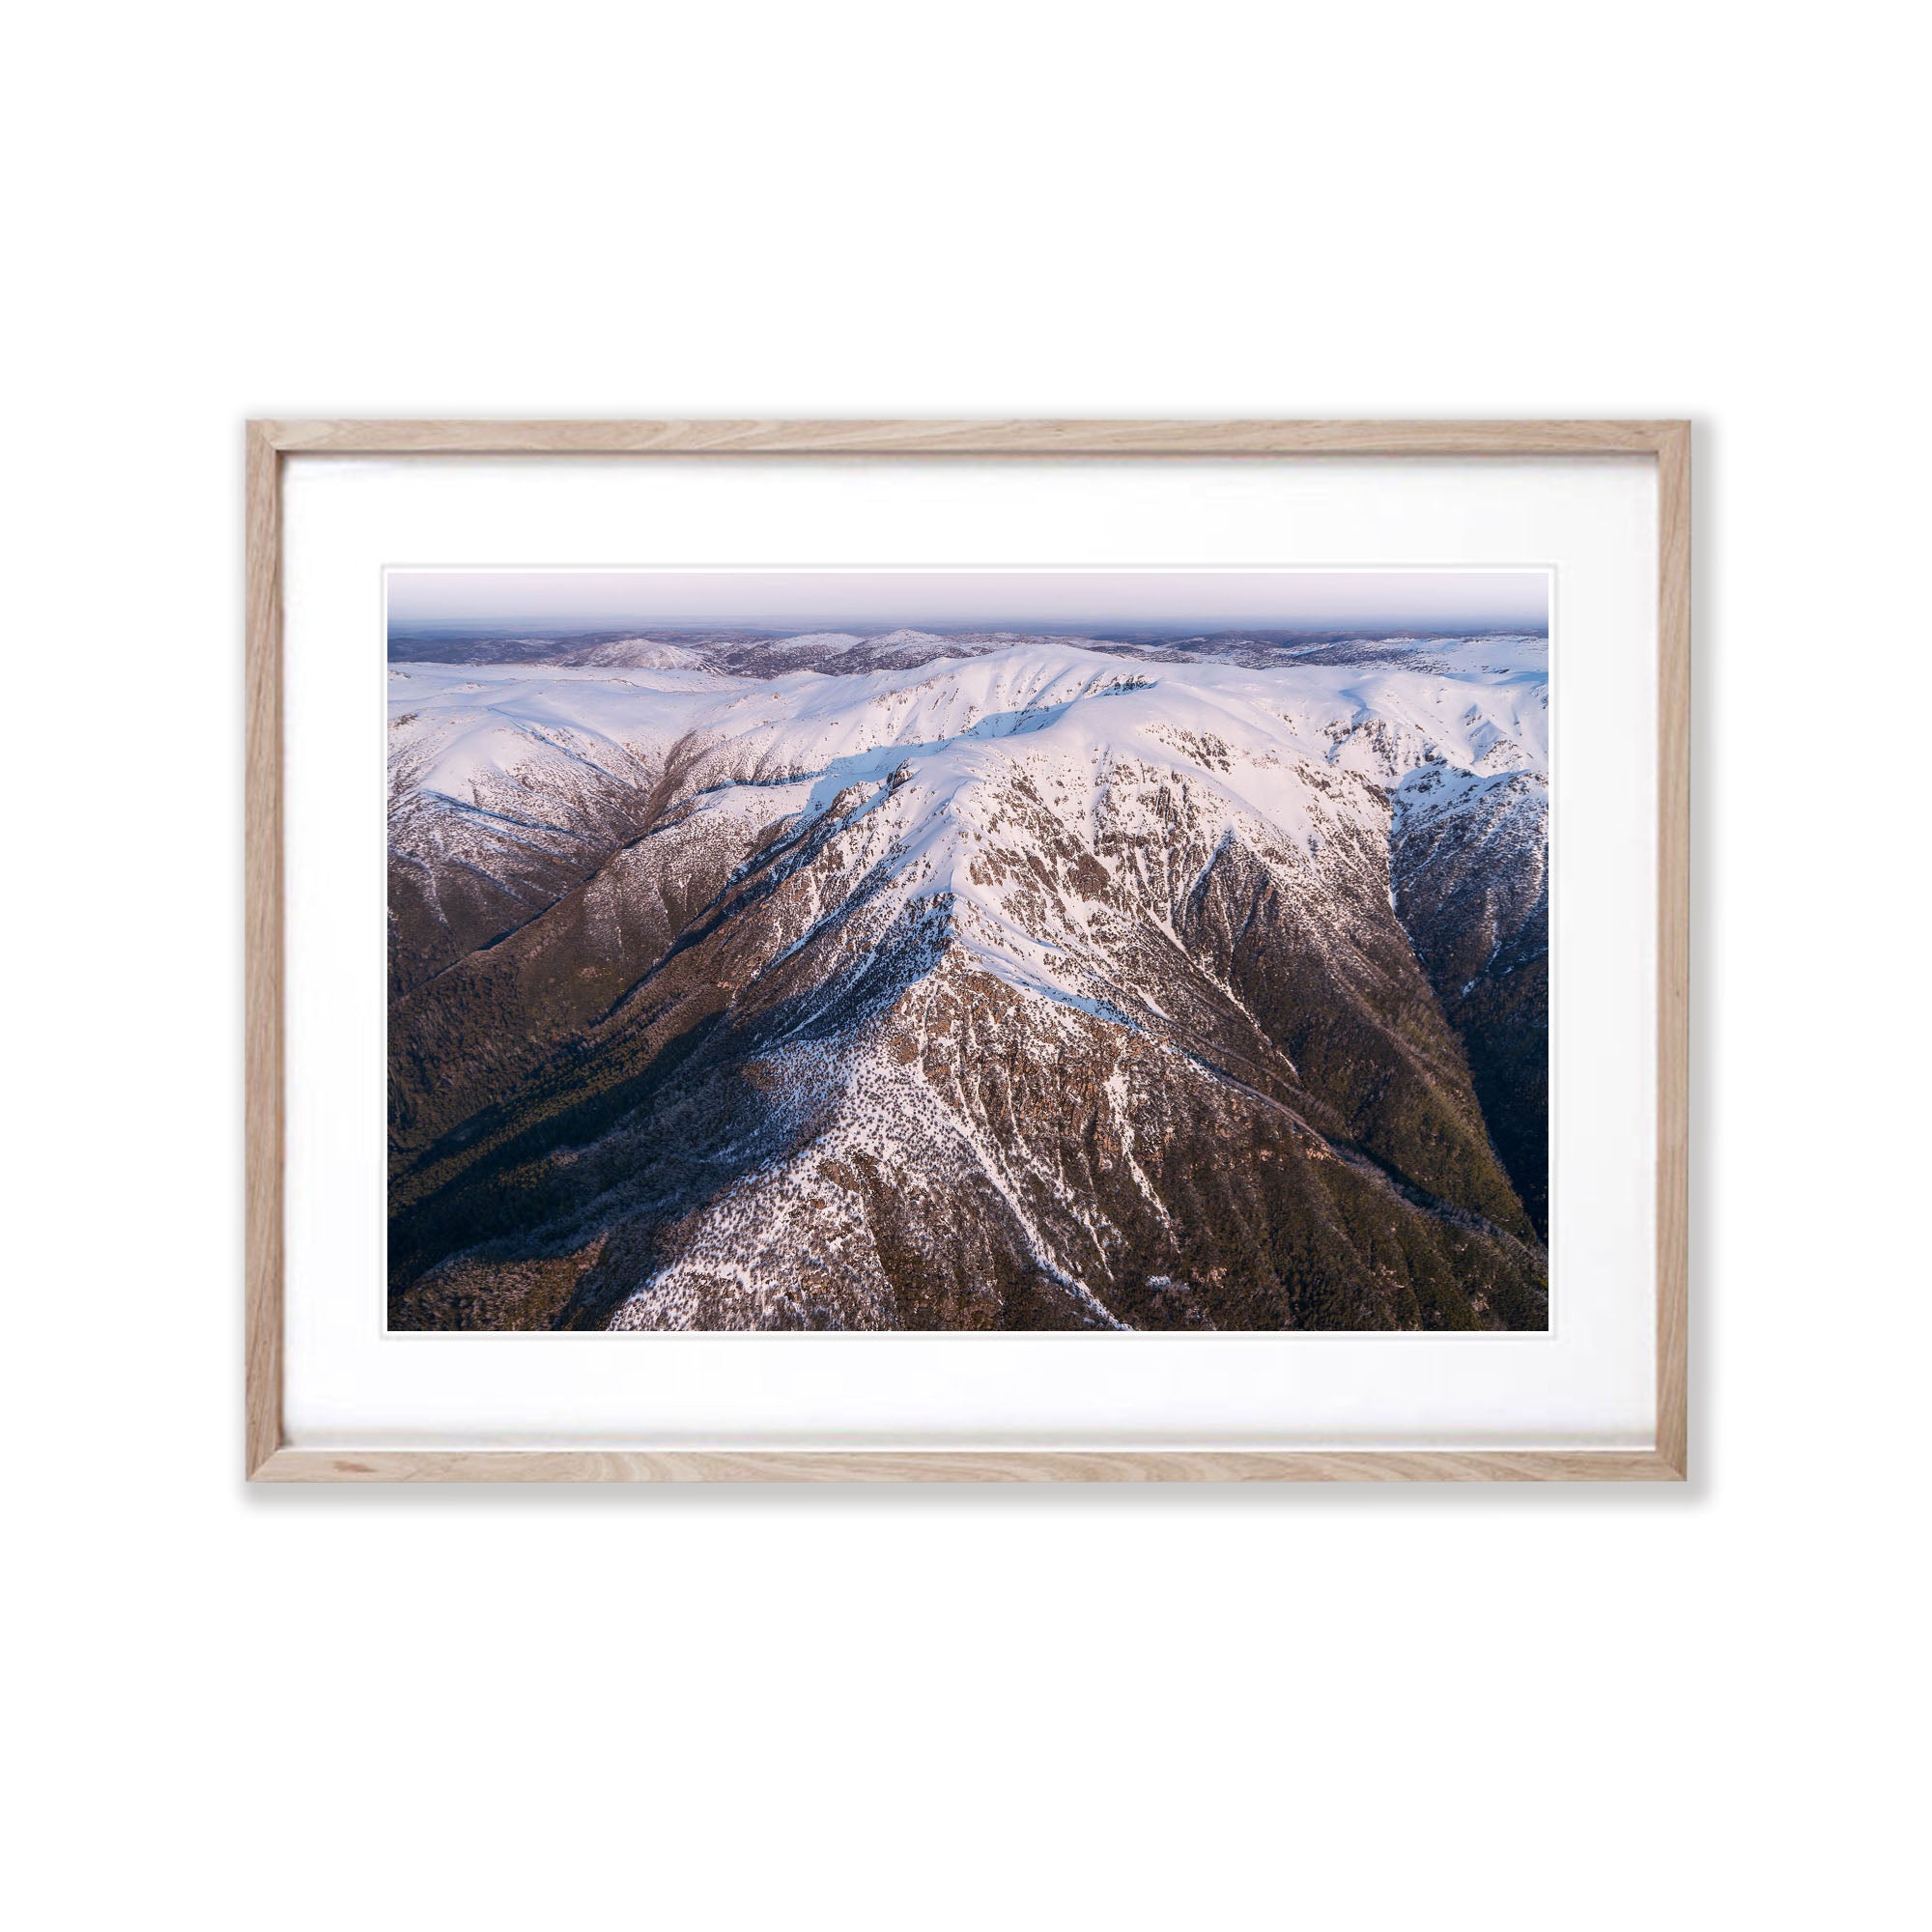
point(1031, 991)
point(1469, 857)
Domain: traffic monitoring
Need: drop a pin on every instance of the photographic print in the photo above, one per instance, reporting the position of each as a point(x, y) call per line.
point(861, 949)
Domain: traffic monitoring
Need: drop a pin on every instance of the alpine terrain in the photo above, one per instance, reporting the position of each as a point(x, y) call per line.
point(977, 981)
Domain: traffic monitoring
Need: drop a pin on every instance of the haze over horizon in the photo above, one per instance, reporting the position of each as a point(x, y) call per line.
point(565, 602)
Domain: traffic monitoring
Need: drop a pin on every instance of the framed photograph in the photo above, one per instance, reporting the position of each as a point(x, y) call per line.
point(967, 952)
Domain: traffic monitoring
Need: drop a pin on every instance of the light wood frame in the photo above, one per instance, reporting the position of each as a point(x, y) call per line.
point(270, 1458)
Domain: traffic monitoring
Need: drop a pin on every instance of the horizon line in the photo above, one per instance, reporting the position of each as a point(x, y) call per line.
point(406, 629)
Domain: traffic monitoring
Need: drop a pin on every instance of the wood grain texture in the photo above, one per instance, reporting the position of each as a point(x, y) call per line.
point(261, 1326)
point(1673, 946)
point(270, 1460)
point(970, 439)
point(963, 1466)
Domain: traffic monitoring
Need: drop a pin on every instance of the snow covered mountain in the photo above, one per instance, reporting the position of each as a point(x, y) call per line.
point(830, 982)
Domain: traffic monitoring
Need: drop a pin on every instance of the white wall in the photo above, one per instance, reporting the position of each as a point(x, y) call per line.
point(1331, 1709)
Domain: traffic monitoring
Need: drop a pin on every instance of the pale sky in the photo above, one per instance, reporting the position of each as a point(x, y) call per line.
point(1173, 600)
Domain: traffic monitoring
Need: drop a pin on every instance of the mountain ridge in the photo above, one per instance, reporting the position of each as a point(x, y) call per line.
point(1178, 885)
